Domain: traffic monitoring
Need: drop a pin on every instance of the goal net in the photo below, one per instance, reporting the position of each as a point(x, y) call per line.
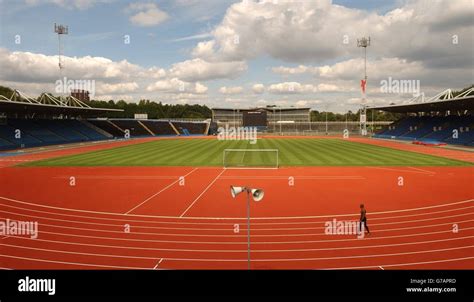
point(251, 158)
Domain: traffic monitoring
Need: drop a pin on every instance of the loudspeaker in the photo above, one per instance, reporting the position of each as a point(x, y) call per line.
point(236, 190)
point(257, 194)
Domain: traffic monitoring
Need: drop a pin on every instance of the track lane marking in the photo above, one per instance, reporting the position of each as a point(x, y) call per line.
point(243, 250)
point(202, 193)
point(158, 264)
point(191, 223)
point(120, 226)
point(231, 218)
point(72, 263)
point(238, 260)
point(400, 170)
point(254, 260)
point(278, 229)
point(157, 193)
point(402, 264)
point(236, 243)
point(422, 170)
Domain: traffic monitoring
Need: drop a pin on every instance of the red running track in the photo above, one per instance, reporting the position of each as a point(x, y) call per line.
point(428, 223)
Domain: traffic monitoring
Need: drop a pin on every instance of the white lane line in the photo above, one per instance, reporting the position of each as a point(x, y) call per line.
point(261, 229)
point(4, 237)
point(227, 218)
point(193, 223)
point(295, 177)
point(158, 264)
point(400, 170)
point(202, 193)
point(120, 226)
point(72, 263)
point(381, 268)
point(118, 177)
point(239, 260)
point(422, 170)
point(157, 193)
point(402, 264)
point(243, 250)
point(240, 243)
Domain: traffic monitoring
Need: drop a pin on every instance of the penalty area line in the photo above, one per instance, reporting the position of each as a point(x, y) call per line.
point(159, 192)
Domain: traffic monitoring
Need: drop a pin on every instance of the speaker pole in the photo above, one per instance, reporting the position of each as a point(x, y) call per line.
point(248, 229)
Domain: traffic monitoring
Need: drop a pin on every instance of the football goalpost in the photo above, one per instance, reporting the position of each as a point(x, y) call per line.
point(251, 158)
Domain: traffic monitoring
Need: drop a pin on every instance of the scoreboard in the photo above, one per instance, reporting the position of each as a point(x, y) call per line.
point(257, 118)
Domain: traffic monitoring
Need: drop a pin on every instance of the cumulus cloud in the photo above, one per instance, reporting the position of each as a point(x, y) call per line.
point(258, 88)
point(298, 88)
point(301, 31)
point(38, 73)
point(34, 67)
point(117, 88)
point(201, 70)
point(345, 75)
point(69, 4)
point(231, 90)
point(175, 85)
point(307, 103)
point(146, 14)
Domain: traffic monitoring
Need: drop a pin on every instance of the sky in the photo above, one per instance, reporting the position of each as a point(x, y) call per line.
point(225, 53)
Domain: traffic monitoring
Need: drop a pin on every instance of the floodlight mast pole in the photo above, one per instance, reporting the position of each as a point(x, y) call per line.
point(60, 29)
point(364, 42)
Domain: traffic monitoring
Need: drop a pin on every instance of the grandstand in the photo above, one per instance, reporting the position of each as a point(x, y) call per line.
point(284, 121)
point(264, 118)
point(27, 122)
point(443, 119)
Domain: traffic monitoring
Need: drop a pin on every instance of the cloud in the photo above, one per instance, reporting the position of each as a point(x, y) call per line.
point(201, 70)
point(317, 31)
point(290, 70)
point(307, 103)
point(69, 4)
point(117, 88)
point(258, 88)
point(33, 67)
point(38, 73)
point(146, 14)
point(298, 88)
point(231, 90)
point(175, 85)
point(193, 37)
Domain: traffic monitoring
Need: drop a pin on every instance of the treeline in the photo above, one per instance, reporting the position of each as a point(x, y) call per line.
point(157, 110)
point(153, 109)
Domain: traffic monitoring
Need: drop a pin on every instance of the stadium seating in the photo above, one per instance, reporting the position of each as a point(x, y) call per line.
point(107, 126)
point(432, 129)
point(134, 126)
point(190, 127)
point(159, 127)
point(41, 132)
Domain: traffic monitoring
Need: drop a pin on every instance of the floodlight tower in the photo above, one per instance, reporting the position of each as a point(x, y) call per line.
point(60, 30)
point(364, 42)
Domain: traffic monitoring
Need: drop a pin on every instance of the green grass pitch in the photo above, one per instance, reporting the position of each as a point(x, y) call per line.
point(209, 152)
